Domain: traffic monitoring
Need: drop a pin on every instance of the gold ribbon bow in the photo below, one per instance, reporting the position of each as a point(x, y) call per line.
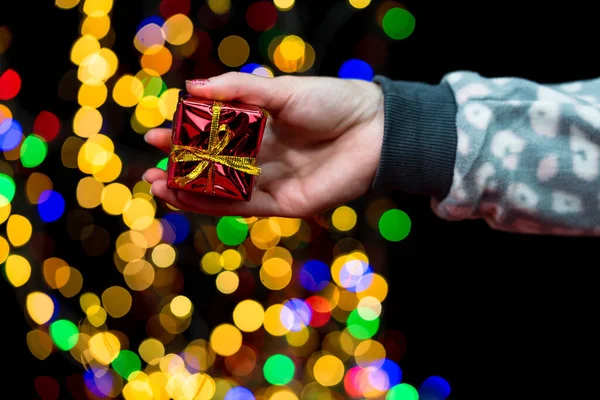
point(208, 157)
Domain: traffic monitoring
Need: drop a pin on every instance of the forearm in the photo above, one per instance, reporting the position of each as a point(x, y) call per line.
point(526, 156)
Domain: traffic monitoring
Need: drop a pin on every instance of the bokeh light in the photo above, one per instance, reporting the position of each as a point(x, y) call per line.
point(285, 308)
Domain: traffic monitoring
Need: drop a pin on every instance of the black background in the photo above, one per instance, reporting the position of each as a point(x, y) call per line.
point(498, 315)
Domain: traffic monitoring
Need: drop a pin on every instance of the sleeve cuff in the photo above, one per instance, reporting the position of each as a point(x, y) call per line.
point(420, 138)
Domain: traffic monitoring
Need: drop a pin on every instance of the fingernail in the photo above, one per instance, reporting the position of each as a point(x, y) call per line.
point(150, 191)
point(149, 133)
point(197, 82)
point(144, 177)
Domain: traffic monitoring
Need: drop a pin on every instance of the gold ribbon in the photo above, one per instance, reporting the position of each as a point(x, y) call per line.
point(219, 138)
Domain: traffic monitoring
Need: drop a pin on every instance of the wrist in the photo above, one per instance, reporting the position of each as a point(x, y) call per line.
point(419, 138)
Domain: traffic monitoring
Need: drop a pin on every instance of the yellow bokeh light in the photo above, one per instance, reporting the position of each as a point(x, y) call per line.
point(105, 347)
point(36, 185)
point(328, 370)
point(369, 353)
point(4, 249)
point(272, 322)
point(219, 7)
point(97, 8)
point(56, 272)
point(151, 350)
point(275, 273)
point(234, 51)
point(89, 302)
point(231, 259)
point(359, 4)
point(212, 263)
point(287, 226)
point(226, 340)
point(89, 192)
point(164, 255)
point(138, 214)
point(283, 394)
point(344, 218)
point(96, 26)
point(265, 234)
point(74, 283)
point(248, 315)
point(284, 5)
point(181, 306)
point(83, 47)
point(66, 4)
point(18, 230)
point(227, 282)
point(169, 98)
point(115, 198)
point(111, 59)
point(40, 307)
point(128, 91)
point(292, 47)
point(138, 389)
point(153, 233)
point(178, 29)
point(5, 209)
point(17, 270)
point(116, 301)
point(157, 59)
point(378, 289)
point(92, 95)
point(139, 275)
point(369, 308)
point(87, 122)
point(93, 70)
point(110, 171)
point(39, 344)
point(150, 111)
point(95, 154)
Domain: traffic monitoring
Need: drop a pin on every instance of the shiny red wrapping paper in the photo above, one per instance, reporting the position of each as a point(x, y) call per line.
point(192, 127)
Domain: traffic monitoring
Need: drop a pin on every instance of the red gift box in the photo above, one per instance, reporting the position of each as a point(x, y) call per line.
point(215, 146)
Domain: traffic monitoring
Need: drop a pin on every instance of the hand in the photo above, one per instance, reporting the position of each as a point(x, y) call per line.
point(320, 149)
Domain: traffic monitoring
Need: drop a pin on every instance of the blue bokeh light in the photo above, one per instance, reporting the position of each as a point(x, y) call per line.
point(180, 226)
point(51, 205)
point(314, 275)
point(11, 134)
point(434, 388)
point(153, 19)
point(295, 314)
point(249, 68)
point(356, 69)
point(239, 393)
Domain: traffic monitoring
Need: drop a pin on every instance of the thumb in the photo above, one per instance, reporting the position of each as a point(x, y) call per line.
point(269, 93)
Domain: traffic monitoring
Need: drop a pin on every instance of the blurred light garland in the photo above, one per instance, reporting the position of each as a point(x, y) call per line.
point(328, 345)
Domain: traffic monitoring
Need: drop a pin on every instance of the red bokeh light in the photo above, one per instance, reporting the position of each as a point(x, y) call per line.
point(10, 84)
point(261, 16)
point(46, 125)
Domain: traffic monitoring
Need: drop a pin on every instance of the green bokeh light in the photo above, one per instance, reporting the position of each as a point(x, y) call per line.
point(232, 230)
point(162, 164)
point(126, 363)
point(398, 23)
point(33, 151)
point(279, 369)
point(394, 225)
point(64, 334)
point(361, 328)
point(403, 391)
point(153, 86)
point(7, 189)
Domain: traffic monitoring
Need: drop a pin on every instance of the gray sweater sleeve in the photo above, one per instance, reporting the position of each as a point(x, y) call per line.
point(523, 156)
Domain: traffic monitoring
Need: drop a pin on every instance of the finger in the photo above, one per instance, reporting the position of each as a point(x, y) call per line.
point(270, 93)
point(160, 138)
point(154, 174)
point(261, 204)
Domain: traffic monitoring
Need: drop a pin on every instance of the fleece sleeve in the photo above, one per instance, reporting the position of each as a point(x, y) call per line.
point(523, 156)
